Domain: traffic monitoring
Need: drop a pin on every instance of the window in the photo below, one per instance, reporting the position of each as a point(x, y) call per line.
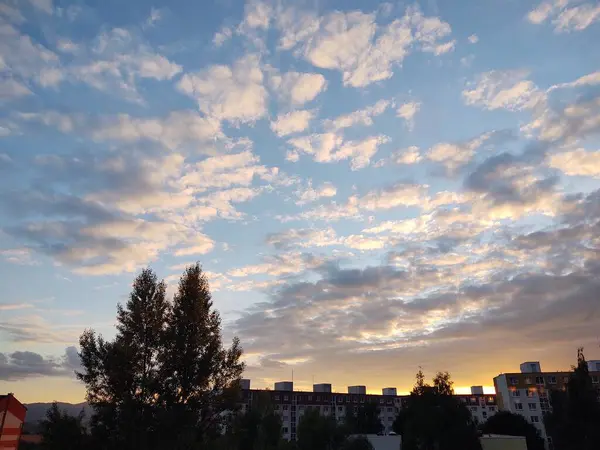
point(276, 407)
point(340, 408)
point(285, 430)
point(326, 409)
point(552, 379)
point(362, 399)
point(390, 410)
point(277, 397)
point(381, 401)
point(318, 398)
point(516, 393)
point(473, 408)
point(390, 419)
point(492, 409)
point(310, 398)
point(286, 398)
point(535, 419)
point(484, 415)
point(519, 406)
point(539, 380)
point(301, 408)
point(513, 380)
point(528, 380)
point(532, 406)
point(285, 407)
point(530, 392)
point(565, 380)
point(355, 400)
point(474, 400)
point(595, 379)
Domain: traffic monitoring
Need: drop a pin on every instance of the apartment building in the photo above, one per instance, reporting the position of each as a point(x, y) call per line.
point(291, 405)
point(527, 392)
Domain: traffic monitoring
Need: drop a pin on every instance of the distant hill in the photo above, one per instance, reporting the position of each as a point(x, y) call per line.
point(37, 412)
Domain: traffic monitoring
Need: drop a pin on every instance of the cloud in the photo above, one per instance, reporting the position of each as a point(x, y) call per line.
point(399, 194)
point(310, 194)
point(453, 156)
point(199, 245)
point(233, 93)
point(329, 147)
point(357, 46)
point(407, 111)
point(503, 90)
point(473, 39)
point(19, 365)
point(43, 5)
point(359, 117)
point(297, 88)
point(408, 155)
point(292, 122)
point(10, 89)
point(563, 17)
point(591, 79)
point(577, 163)
point(14, 306)
point(222, 36)
point(303, 237)
point(20, 256)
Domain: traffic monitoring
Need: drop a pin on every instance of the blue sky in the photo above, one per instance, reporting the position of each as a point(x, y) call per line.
point(371, 187)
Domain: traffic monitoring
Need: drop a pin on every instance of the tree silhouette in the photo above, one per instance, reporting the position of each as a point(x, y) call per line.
point(507, 423)
point(60, 431)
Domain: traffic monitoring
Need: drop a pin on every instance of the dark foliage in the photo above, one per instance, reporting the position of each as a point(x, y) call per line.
point(510, 424)
point(433, 419)
point(317, 432)
point(61, 431)
point(365, 420)
point(574, 423)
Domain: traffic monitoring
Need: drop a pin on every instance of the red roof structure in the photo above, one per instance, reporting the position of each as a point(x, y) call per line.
point(12, 416)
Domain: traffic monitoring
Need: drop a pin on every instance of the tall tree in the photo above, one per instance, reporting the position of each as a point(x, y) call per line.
point(574, 421)
point(60, 431)
point(201, 377)
point(317, 432)
point(122, 376)
point(433, 419)
point(507, 423)
point(365, 420)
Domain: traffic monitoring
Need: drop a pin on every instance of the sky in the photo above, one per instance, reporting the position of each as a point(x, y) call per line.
point(370, 187)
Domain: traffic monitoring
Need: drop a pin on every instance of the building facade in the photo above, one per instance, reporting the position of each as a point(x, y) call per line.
point(291, 405)
point(527, 392)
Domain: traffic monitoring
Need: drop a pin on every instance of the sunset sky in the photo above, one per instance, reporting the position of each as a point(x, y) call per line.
point(370, 187)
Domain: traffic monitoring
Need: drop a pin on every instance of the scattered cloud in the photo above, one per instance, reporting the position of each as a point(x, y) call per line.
point(296, 89)
point(577, 163)
point(473, 39)
point(503, 90)
point(359, 117)
point(407, 111)
point(310, 194)
point(565, 18)
point(235, 93)
point(292, 122)
point(19, 365)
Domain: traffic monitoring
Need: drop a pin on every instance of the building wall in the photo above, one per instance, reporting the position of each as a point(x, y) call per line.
point(291, 405)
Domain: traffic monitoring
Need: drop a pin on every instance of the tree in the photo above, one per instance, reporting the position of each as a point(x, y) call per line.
point(365, 420)
point(201, 377)
point(433, 419)
point(317, 432)
point(507, 423)
point(122, 377)
point(357, 443)
point(60, 431)
point(574, 421)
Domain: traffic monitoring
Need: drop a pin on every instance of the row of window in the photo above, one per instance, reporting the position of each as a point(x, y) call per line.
point(531, 406)
point(550, 379)
point(528, 392)
point(325, 408)
point(337, 399)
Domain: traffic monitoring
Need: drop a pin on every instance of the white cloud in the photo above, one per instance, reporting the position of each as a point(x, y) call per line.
point(222, 36)
point(401, 194)
point(361, 116)
point(21, 256)
point(591, 79)
point(257, 15)
point(43, 5)
point(293, 122)
point(10, 89)
point(232, 93)
point(311, 194)
point(473, 39)
point(455, 155)
point(298, 88)
point(407, 111)
point(410, 155)
point(199, 245)
point(503, 89)
point(357, 46)
point(329, 147)
point(565, 18)
point(577, 162)
point(178, 128)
